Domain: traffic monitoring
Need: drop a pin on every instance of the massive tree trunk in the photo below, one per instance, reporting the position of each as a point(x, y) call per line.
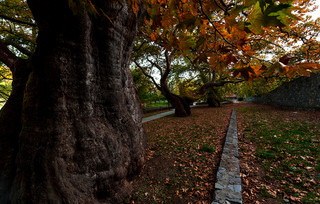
point(80, 138)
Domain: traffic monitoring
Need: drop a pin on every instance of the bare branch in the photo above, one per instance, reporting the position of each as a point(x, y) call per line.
point(217, 84)
point(137, 49)
point(216, 30)
point(147, 75)
point(156, 65)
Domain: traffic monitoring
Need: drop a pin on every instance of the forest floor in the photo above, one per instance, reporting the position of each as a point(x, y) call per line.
point(184, 153)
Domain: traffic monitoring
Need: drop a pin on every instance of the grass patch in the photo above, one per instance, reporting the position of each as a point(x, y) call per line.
point(287, 147)
point(158, 104)
point(207, 148)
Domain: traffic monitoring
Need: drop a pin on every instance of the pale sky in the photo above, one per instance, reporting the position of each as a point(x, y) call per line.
point(316, 14)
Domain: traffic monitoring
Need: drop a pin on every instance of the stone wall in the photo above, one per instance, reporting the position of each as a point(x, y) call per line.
point(302, 94)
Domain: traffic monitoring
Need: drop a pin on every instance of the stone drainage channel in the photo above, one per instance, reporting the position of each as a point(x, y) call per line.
point(228, 184)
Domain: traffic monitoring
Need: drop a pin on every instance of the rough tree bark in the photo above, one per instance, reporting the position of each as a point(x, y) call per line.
point(209, 89)
point(80, 138)
point(212, 98)
point(181, 105)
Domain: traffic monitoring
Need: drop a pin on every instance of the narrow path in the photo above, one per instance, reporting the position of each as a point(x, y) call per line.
point(228, 185)
point(160, 115)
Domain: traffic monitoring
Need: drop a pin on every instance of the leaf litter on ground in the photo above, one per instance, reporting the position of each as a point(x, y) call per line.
point(182, 157)
point(279, 155)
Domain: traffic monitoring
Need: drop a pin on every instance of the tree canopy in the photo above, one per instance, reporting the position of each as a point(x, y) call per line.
point(245, 38)
point(239, 40)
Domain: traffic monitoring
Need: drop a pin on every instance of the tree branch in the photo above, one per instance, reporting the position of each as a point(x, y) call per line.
point(156, 65)
point(303, 39)
point(137, 49)
point(147, 75)
point(217, 84)
point(261, 39)
point(219, 6)
point(20, 48)
point(4, 77)
point(209, 19)
point(5, 94)
point(261, 60)
point(168, 66)
point(25, 38)
point(17, 21)
point(7, 57)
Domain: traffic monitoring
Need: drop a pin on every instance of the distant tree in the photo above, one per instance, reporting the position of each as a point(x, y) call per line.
point(149, 57)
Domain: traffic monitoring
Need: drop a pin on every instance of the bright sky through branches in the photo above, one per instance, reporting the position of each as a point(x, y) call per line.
point(316, 13)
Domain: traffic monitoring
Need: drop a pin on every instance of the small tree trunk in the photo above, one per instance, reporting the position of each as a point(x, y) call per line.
point(80, 137)
point(212, 98)
point(182, 107)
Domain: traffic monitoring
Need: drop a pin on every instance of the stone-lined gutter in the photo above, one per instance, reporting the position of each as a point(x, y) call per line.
point(228, 185)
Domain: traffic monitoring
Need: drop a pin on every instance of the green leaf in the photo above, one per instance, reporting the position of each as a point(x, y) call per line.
point(237, 9)
point(255, 19)
point(249, 2)
point(262, 5)
point(275, 8)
